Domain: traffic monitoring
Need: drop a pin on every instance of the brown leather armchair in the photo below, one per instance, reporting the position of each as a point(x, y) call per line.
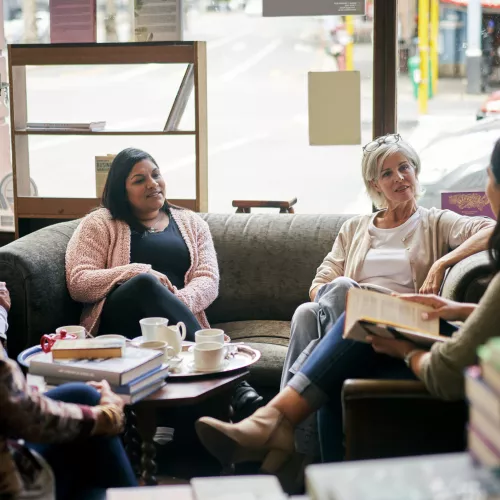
point(388, 418)
point(391, 418)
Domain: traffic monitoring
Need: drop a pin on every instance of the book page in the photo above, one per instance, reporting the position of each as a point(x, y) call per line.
point(380, 308)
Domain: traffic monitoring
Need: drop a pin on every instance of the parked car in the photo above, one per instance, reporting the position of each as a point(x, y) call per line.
point(491, 106)
point(457, 161)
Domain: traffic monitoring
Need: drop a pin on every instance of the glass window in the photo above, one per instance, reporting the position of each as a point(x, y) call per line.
point(257, 104)
point(454, 120)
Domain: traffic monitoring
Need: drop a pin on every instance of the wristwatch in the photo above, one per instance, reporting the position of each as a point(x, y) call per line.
point(409, 355)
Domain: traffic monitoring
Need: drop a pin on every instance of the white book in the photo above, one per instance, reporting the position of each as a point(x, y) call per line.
point(117, 371)
point(93, 126)
point(373, 313)
point(258, 487)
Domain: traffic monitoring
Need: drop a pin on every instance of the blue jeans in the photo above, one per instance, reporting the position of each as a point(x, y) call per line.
point(322, 376)
point(87, 464)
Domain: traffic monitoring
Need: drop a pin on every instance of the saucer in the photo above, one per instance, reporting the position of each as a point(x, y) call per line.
point(213, 370)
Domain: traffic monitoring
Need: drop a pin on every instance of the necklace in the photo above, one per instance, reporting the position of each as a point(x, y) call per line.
point(153, 229)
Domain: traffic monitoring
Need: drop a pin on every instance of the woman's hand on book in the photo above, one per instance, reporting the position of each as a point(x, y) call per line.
point(109, 416)
point(392, 347)
point(443, 308)
point(108, 397)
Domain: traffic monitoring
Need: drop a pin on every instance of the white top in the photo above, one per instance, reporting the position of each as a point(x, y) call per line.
point(387, 262)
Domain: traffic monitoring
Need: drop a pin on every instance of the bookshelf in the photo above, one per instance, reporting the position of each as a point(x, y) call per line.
point(34, 212)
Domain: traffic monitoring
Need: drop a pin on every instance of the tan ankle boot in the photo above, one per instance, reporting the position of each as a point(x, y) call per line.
point(266, 436)
point(250, 440)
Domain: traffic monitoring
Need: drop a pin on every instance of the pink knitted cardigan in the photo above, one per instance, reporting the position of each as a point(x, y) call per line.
point(98, 258)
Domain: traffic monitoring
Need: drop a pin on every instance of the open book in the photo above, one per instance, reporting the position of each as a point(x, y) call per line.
point(373, 313)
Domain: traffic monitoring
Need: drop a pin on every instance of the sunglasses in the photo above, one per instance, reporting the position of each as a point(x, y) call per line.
point(386, 139)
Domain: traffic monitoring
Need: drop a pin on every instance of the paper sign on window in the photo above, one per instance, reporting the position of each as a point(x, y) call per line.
point(334, 108)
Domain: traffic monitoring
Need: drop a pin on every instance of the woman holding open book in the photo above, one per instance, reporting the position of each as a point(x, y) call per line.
point(268, 435)
point(138, 257)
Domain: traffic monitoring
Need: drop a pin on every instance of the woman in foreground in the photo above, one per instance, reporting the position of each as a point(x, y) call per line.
point(268, 435)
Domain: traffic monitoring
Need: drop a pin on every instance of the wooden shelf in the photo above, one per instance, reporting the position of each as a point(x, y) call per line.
point(102, 53)
point(68, 208)
point(36, 212)
point(48, 131)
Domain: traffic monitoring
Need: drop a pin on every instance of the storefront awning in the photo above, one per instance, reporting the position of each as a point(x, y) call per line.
point(489, 4)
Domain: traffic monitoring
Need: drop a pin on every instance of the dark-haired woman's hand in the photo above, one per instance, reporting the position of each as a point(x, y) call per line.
point(163, 280)
point(443, 308)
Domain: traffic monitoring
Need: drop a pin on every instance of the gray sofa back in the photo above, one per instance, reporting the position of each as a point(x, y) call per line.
point(266, 263)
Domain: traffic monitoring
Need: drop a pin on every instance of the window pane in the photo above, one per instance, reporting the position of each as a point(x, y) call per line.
point(453, 125)
point(258, 106)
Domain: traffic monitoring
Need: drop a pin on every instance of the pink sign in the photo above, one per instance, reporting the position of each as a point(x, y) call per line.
point(73, 22)
point(470, 203)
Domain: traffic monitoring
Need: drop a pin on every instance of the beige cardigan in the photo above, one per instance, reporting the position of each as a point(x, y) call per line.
point(438, 232)
point(98, 258)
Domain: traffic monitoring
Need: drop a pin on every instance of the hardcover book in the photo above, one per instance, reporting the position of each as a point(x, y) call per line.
point(88, 349)
point(102, 166)
point(117, 371)
point(134, 386)
point(374, 313)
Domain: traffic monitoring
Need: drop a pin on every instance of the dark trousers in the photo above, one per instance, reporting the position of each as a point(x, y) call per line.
point(82, 466)
point(143, 296)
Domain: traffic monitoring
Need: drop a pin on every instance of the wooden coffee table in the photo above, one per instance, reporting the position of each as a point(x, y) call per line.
point(214, 391)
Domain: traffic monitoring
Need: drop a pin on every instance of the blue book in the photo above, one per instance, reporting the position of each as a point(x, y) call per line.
point(131, 388)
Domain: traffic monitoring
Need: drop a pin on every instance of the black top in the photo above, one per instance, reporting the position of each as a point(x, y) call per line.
point(165, 251)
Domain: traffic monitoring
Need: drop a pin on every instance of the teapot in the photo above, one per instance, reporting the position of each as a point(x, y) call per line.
point(158, 329)
point(49, 339)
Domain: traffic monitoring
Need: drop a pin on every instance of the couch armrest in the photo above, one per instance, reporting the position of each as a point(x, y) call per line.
point(467, 280)
point(388, 418)
point(33, 268)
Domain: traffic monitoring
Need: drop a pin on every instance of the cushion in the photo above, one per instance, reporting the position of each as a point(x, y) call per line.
point(271, 339)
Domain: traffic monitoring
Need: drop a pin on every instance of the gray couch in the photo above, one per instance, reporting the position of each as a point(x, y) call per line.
point(266, 263)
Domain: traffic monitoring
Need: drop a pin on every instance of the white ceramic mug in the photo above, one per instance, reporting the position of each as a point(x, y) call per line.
point(159, 345)
point(208, 356)
point(158, 329)
point(77, 330)
point(209, 335)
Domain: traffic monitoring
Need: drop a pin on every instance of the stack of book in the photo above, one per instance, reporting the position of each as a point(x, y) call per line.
point(135, 375)
point(482, 387)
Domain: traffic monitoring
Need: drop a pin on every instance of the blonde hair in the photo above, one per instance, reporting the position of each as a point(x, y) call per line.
point(373, 161)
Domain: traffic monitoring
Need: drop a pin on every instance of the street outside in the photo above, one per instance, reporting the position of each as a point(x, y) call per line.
point(258, 117)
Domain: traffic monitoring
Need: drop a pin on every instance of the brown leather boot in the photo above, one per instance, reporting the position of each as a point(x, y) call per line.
point(266, 436)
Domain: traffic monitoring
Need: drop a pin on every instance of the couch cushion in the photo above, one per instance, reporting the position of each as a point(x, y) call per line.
point(267, 262)
point(266, 373)
point(271, 339)
point(273, 332)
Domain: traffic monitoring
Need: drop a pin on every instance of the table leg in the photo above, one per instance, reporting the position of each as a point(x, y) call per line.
point(132, 440)
point(146, 424)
